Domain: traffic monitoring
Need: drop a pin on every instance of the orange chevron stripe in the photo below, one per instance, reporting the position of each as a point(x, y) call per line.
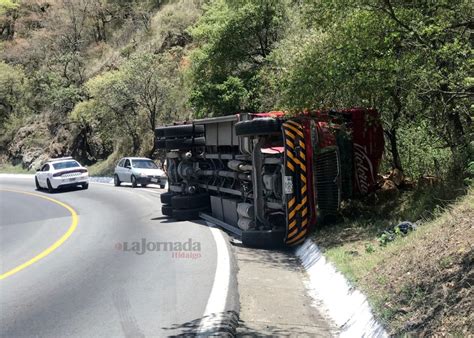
point(292, 233)
point(290, 144)
point(290, 166)
point(290, 134)
point(304, 212)
point(291, 202)
point(292, 224)
point(300, 134)
point(297, 237)
point(290, 155)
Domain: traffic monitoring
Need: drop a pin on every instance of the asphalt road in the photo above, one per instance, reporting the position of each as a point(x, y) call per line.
point(89, 285)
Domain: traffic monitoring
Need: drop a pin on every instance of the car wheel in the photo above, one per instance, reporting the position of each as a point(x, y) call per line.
point(38, 187)
point(166, 197)
point(190, 201)
point(116, 180)
point(162, 186)
point(260, 126)
point(85, 186)
point(167, 210)
point(50, 187)
point(187, 214)
point(160, 144)
point(134, 181)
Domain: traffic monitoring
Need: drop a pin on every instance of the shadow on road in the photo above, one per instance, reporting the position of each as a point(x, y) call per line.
point(222, 324)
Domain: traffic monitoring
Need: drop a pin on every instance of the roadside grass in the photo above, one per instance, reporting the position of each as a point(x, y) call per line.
point(419, 282)
point(14, 169)
point(105, 167)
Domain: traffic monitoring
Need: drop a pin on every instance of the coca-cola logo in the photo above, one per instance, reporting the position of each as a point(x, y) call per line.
point(363, 169)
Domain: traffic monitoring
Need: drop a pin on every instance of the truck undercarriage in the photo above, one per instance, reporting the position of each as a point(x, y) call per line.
point(269, 177)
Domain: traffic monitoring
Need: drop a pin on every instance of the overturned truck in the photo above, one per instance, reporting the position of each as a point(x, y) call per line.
point(269, 177)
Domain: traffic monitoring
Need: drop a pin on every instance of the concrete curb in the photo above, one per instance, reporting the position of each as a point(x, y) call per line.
point(346, 306)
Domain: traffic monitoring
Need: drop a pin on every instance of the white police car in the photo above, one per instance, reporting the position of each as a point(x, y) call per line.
point(60, 173)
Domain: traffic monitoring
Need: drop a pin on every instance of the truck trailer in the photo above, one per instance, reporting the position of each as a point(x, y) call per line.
point(270, 177)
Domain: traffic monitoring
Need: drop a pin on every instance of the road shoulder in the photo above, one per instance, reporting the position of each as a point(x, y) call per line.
point(273, 297)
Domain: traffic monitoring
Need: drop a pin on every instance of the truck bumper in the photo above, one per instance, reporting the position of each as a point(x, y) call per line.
point(263, 238)
point(251, 238)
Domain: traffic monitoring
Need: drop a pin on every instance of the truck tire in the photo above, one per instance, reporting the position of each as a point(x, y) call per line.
point(185, 143)
point(183, 130)
point(190, 201)
point(259, 126)
point(166, 197)
point(160, 131)
point(160, 144)
point(187, 214)
point(167, 210)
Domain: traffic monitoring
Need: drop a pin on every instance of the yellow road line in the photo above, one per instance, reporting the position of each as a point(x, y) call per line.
point(57, 244)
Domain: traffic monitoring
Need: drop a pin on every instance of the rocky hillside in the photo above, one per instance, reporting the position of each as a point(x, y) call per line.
point(93, 78)
point(73, 73)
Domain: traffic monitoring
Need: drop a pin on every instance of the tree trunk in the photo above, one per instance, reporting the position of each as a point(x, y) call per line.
point(396, 160)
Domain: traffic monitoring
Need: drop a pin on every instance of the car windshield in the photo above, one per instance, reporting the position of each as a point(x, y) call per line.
point(66, 165)
point(144, 164)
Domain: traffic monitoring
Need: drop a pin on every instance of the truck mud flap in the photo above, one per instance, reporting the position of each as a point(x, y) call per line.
point(250, 238)
point(263, 238)
point(297, 199)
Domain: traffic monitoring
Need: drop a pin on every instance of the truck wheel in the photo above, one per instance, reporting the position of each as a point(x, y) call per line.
point(116, 180)
point(185, 143)
point(134, 181)
point(190, 201)
point(160, 131)
point(259, 126)
point(183, 130)
point(162, 186)
point(85, 186)
point(167, 210)
point(160, 144)
point(166, 197)
point(37, 184)
point(50, 187)
point(187, 214)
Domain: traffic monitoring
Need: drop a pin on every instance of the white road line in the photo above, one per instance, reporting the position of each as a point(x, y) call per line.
point(216, 304)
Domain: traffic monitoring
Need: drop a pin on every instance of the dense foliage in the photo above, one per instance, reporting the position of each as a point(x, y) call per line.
point(410, 60)
point(108, 71)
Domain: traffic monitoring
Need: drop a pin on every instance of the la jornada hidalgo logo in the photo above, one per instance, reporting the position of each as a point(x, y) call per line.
point(187, 249)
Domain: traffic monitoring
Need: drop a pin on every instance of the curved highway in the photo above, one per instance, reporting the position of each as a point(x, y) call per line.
point(102, 262)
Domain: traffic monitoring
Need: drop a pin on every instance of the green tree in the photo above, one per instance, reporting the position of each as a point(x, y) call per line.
point(235, 38)
point(409, 61)
point(14, 92)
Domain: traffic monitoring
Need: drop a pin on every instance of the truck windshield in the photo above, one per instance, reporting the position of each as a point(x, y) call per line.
point(144, 164)
point(65, 165)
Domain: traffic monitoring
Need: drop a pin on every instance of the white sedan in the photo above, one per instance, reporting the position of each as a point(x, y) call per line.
point(60, 173)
